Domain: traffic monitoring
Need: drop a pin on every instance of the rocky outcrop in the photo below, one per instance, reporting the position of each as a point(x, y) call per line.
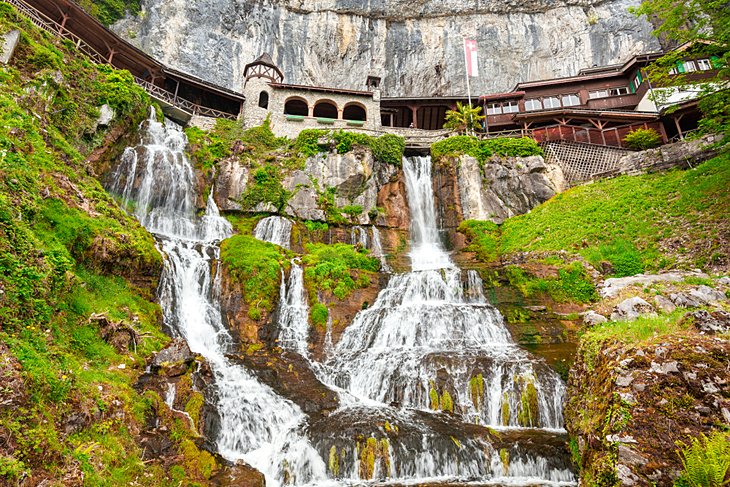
point(613, 286)
point(684, 154)
point(355, 177)
point(500, 188)
point(629, 405)
point(416, 47)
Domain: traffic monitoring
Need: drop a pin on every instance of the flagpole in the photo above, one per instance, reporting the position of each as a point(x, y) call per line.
point(468, 87)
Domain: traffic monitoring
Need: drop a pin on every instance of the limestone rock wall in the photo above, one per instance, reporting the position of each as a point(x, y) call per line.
point(416, 47)
point(501, 188)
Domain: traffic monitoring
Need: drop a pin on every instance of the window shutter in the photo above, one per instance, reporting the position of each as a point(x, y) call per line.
point(680, 67)
point(715, 61)
point(631, 87)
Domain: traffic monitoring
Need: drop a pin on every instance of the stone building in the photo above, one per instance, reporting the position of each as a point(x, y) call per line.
point(293, 108)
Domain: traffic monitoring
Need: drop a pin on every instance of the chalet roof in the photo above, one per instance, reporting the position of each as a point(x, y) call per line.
point(263, 60)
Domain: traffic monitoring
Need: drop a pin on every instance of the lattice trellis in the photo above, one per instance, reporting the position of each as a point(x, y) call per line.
point(582, 162)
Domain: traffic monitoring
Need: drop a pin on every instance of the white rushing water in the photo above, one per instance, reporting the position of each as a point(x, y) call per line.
point(429, 330)
point(256, 424)
point(274, 229)
point(428, 324)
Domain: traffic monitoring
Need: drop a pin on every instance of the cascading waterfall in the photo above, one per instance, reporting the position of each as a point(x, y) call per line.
point(256, 424)
point(274, 229)
point(429, 334)
point(294, 312)
point(378, 250)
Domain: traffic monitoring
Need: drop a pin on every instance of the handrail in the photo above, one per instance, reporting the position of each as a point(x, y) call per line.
point(41, 20)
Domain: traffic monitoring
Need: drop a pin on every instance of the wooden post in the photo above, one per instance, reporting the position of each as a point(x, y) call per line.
point(679, 127)
point(177, 87)
point(112, 52)
point(414, 115)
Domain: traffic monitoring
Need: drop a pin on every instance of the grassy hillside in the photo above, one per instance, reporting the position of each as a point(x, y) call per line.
point(69, 414)
point(634, 223)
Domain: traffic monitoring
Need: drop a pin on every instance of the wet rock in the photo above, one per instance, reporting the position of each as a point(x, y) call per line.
point(289, 374)
point(664, 304)
point(630, 309)
point(613, 286)
point(710, 322)
point(591, 318)
point(173, 360)
point(630, 457)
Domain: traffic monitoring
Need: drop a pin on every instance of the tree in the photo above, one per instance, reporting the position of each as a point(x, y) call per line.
point(464, 119)
point(704, 25)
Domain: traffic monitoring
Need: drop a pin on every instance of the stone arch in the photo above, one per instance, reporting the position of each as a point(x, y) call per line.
point(326, 109)
point(296, 105)
point(355, 111)
point(264, 99)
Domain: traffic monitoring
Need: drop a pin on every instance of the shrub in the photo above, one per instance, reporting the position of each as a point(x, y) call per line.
point(387, 148)
point(643, 139)
point(483, 150)
point(266, 188)
point(319, 314)
point(338, 268)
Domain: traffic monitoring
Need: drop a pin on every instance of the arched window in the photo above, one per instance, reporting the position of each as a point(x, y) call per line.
point(296, 106)
point(325, 109)
point(354, 111)
point(264, 100)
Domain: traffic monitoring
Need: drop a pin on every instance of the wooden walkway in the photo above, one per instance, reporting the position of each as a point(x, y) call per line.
point(165, 97)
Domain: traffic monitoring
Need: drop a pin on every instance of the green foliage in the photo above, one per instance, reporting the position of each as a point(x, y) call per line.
point(118, 90)
point(319, 314)
point(465, 118)
point(626, 219)
point(483, 239)
point(704, 24)
point(484, 149)
point(256, 266)
point(11, 468)
point(338, 268)
point(387, 148)
point(573, 284)
point(706, 461)
point(266, 188)
point(642, 139)
point(109, 11)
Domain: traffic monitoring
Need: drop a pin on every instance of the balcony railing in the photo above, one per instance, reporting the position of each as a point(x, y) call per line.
point(38, 19)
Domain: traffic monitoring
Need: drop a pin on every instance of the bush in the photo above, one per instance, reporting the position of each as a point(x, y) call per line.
point(642, 139)
point(319, 314)
point(266, 188)
point(484, 149)
point(387, 148)
point(338, 268)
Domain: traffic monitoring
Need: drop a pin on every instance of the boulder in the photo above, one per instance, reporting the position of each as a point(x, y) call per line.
point(591, 318)
point(613, 286)
point(664, 304)
point(707, 295)
point(630, 309)
point(174, 359)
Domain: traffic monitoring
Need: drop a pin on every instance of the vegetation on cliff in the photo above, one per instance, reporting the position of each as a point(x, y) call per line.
point(77, 275)
point(387, 148)
point(630, 223)
point(484, 149)
point(109, 11)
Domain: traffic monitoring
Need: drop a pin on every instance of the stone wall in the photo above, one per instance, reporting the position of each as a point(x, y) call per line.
point(680, 154)
point(281, 126)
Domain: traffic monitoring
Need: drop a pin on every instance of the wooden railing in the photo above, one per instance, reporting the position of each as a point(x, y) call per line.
point(40, 20)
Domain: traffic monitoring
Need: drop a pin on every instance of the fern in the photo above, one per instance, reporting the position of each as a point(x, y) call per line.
point(706, 461)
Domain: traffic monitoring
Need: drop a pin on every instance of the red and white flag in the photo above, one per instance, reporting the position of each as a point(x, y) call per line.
point(470, 51)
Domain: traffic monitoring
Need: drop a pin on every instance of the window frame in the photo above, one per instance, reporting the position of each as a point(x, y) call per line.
point(513, 105)
point(533, 101)
point(494, 109)
point(551, 100)
point(568, 96)
point(707, 62)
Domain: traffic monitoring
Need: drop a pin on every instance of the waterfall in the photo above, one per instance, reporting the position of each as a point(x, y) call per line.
point(157, 181)
point(294, 312)
point(378, 251)
point(430, 334)
point(359, 236)
point(274, 229)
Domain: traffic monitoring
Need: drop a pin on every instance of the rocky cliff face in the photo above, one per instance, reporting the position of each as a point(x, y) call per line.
point(416, 47)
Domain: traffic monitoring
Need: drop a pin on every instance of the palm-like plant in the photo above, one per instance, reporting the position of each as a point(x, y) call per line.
point(464, 119)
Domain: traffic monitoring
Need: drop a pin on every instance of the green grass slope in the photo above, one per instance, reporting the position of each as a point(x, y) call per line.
point(69, 414)
point(640, 223)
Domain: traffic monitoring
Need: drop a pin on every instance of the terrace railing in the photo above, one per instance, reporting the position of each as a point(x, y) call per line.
point(40, 20)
